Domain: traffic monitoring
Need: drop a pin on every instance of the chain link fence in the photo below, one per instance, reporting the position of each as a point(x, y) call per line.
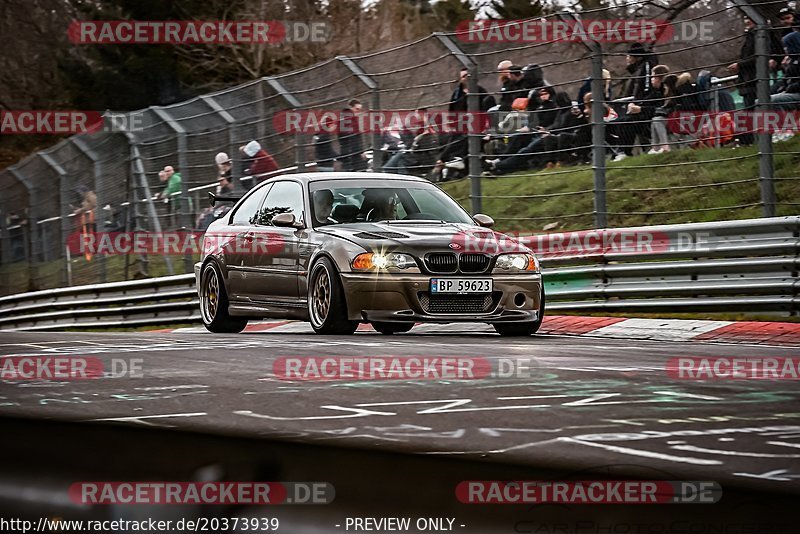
point(109, 181)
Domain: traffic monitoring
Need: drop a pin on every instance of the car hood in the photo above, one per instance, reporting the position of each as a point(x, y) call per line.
point(420, 238)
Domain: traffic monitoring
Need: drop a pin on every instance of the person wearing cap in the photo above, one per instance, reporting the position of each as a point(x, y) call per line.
point(262, 163)
point(640, 62)
point(224, 178)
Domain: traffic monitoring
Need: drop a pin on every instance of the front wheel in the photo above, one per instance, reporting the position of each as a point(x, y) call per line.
point(392, 328)
point(214, 304)
point(327, 308)
point(522, 329)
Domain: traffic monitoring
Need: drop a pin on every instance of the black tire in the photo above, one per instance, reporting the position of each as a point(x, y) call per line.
point(214, 303)
point(522, 329)
point(392, 328)
point(327, 308)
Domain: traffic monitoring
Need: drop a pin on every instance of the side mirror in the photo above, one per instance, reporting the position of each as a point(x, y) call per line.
point(286, 220)
point(483, 220)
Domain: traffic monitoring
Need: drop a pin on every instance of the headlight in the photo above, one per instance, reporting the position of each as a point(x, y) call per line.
point(517, 262)
point(369, 260)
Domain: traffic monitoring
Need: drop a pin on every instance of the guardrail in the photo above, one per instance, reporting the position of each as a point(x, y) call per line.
point(742, 266)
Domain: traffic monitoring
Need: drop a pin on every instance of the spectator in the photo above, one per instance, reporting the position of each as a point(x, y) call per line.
point(84, 214)
point(587, 86)
point(324, 151)
point(788, 95)
point(173, 181)
point(569, 130)
point(511, 84)
point(540, 120)
point(638, 114)
point(419, 158)
point(639, 61)
point(658, 126)
point(224, 165)
point(458, 100)
point(351, 145)
point(745, 69)
point(261, 162)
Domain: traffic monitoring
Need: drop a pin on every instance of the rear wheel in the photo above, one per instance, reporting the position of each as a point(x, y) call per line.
point(327, 308)
point(392, 328)
point(522, 329)
point(214, 304)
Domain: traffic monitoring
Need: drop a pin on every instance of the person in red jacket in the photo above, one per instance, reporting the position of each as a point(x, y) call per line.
point(261, 162)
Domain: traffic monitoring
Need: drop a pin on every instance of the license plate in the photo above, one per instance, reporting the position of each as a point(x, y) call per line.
point(461, 286)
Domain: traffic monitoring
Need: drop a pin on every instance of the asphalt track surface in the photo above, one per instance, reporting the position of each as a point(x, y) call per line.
point(589, 404)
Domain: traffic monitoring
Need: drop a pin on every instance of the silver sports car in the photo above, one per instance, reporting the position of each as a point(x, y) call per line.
point(339, 249)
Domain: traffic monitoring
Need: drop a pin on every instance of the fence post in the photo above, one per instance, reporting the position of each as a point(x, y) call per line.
point(137, 171)
point(598, 126)
point(65, 211)
point(81, 145)
point(763, 103)
point(184, 213)
point(474, 108)
point(375, 104)
point(294, 103)
point(30, 219)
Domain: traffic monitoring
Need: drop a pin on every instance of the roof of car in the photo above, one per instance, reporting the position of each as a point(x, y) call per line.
point(320, 176)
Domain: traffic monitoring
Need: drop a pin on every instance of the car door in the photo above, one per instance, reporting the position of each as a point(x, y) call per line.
point(273, 263)
point(238, 241)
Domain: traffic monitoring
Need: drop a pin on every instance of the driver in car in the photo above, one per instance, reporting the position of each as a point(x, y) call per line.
point(323, 205)
point(384, 208)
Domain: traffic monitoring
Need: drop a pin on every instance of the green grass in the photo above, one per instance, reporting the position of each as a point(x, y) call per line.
point(689, 173)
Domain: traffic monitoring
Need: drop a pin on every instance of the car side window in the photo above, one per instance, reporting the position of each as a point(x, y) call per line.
point(284, 197)
point(249, 207)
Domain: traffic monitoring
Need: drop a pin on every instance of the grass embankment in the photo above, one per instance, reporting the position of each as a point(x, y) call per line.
point(709, 184)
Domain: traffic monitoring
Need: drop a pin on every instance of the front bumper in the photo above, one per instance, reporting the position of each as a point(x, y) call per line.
point(390, 297)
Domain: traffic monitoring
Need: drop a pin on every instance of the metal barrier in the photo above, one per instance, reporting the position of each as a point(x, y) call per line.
point(742, 266)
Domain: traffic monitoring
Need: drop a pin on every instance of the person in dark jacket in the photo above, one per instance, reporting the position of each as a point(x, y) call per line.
point(458, 100)
point(745, 69)
point(639, 113)
point(350, 143)
point(324, 151)
point(640, 62)
point(788, 95)
point(512, 85)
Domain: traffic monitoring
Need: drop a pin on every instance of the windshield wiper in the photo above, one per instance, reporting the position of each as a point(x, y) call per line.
point(414, 221)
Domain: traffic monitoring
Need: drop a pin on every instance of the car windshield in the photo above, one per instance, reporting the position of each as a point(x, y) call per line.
point(341, 202)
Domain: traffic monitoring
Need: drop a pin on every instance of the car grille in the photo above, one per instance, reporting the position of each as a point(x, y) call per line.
point(441, 262)
point(473, 263)
point(456, 303)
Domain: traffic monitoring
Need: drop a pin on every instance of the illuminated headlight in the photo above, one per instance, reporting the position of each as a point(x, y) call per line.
point(517, 262)
point(369, 260)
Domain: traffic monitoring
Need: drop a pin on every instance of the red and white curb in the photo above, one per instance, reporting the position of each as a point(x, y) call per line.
point(767, 333)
